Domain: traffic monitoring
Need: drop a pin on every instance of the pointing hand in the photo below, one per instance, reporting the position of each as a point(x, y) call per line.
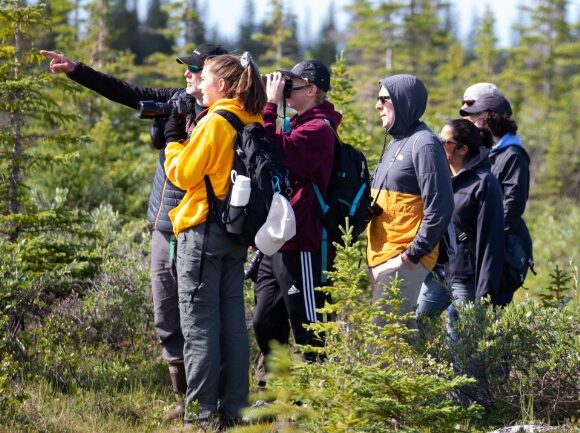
point(59, 63)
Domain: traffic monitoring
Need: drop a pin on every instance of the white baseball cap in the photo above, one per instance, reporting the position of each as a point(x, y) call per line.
point(474, 92)
point(280, 226)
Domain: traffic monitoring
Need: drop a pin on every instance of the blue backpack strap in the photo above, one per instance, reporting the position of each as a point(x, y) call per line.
point(323, 206)
point(357, 199)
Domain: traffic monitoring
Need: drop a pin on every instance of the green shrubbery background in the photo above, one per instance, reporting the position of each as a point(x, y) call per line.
point(78, 352)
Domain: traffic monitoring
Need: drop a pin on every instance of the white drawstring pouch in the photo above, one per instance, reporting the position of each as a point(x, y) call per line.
point(280, 226)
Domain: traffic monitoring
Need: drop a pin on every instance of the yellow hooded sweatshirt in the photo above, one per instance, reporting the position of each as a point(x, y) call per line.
point(209, 151)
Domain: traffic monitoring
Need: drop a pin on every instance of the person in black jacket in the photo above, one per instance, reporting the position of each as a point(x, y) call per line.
point(164, 195)
point(510, 164)
point(475, 271)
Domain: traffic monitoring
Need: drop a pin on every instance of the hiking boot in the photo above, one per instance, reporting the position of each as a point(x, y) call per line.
point(204, 423)
point(179, 384)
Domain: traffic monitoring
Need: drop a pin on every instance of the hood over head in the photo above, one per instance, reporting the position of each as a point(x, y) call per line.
point(409, 98)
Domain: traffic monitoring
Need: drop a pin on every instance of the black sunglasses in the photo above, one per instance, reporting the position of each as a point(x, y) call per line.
point(299, 87)
point(445, 141)
point(468, 102)
point(194, 69)
point(384, 99)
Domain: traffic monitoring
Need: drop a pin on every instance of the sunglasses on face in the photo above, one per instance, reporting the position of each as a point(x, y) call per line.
point(384, 99)
point(444, 141)
point(194, 69)
point(289, 88)
point(468, 102)
point(299, 87)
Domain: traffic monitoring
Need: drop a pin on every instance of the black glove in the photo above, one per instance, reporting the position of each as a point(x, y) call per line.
point(157, 133)
point(174, 128)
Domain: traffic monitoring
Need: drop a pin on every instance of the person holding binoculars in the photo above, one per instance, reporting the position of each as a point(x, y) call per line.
point(285, 289)
point(157, 103)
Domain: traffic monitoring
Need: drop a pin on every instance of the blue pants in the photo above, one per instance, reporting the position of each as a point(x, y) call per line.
point(436, 296)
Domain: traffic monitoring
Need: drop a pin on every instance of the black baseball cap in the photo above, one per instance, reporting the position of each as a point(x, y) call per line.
point(488, 102)
point(200, 54)
point(313, 72)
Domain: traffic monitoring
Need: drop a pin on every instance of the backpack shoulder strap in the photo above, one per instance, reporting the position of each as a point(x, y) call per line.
point(321, 201)
point(325, 120)
point(232, 118)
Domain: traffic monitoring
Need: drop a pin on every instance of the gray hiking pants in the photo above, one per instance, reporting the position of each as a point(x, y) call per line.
point(410, 284)
point(216, 350)
point(165, 299)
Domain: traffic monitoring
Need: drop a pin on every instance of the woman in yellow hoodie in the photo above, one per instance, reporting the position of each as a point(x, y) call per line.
point(209, 262)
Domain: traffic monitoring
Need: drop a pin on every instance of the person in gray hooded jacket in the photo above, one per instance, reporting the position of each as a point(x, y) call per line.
point(411, 187)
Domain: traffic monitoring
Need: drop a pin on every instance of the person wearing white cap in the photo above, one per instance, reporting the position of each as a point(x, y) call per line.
point(475, 91)
point(510, 165)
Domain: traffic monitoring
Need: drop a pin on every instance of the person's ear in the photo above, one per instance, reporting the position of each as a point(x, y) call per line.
point(463, 150)
point(221, 85)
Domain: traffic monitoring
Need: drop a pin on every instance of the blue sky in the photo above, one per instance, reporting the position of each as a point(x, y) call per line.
point(311, 13)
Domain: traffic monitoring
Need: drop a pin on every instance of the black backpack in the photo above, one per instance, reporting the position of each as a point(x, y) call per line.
point(348, 194)
point(259, 158)
point(516, 263)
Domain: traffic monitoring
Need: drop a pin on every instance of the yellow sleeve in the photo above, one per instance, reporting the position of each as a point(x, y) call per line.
point(187, 163)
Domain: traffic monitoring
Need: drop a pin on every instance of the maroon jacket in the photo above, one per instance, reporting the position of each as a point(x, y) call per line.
point(309, 152)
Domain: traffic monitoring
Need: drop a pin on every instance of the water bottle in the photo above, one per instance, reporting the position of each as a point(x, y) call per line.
point(241, 190)
point(239, 198)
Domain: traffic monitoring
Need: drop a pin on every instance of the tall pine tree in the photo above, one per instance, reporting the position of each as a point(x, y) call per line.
point(325, 49)
point(153, 38)
point(46, 250)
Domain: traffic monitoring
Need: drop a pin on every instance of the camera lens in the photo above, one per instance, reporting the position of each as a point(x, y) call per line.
point(153, 110)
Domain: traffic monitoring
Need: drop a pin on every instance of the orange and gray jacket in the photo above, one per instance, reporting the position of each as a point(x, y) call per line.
point(412, 183)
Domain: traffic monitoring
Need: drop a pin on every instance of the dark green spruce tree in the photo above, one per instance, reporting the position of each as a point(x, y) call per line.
point(542, 83)
point(278, 34)
point(153, 38)
point(324, 49)
point(125, 31)
point(46, 249)
point(248, 29)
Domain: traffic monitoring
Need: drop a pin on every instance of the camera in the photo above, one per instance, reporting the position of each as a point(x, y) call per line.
point(287, 85)
point(182, 104)
point(376, 209)
point(162, 110)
